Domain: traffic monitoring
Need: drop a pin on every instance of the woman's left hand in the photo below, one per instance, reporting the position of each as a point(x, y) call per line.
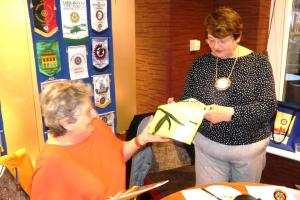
point(146, 137)
point(217, 114)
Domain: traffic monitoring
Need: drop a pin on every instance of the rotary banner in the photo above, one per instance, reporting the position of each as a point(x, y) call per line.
point(48, 57)
point(44, 17)
point(74, 20)
point(108, 118)
point(283, 125)
point(100, 52)
point(102, 90)
point(77, 62)
point(99, 15)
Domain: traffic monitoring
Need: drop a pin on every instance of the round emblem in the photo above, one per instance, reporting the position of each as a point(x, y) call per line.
point(102, 100)
point(44, 13)
point(74, 17)
point(99, 14)
point(222, 83)
point(283, 121)
point(104, 119)
point(279, 195)
point(46, 28)
point(99, 52)
point(77, 60)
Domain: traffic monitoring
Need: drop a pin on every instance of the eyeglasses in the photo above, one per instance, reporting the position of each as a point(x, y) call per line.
point(221, 42)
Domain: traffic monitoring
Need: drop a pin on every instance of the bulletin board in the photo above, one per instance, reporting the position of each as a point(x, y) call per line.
point(72, 40)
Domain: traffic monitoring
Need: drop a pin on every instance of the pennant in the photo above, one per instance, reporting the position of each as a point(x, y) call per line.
point(48, 57)
point(74, 21)
point(50, 80)
point(102, 90)
point(283, 125)
point(100, 52)
point(108, 118)
point(99, 15)
point(77, 62)
point(44, 17)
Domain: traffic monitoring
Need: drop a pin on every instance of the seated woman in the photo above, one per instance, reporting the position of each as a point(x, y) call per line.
point(82, 158)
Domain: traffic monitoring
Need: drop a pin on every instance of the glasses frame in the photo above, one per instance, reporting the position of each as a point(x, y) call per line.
point(221, 42)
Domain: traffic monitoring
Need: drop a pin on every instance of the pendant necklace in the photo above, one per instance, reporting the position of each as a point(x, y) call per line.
point(223, 83)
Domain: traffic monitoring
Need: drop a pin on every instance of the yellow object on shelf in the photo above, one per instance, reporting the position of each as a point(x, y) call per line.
point(21, 161)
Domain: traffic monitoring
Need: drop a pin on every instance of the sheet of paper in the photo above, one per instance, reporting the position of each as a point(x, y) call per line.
point(196, 194)
point(140, 190)
point(266, 192)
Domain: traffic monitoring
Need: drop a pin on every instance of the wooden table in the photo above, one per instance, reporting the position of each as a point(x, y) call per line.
point(238, 186)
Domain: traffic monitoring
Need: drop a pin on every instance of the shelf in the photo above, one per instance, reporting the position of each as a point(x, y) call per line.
point(283, 153)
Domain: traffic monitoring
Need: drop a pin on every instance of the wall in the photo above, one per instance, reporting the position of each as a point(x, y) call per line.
point(163, 31)
point(152, 53)
point(255, 15)
point(123, 23)
point(186, 24)
point(18, 84)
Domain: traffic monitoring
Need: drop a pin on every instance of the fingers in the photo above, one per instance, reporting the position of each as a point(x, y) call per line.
point(216, 114)
point(149, 138)
point(171, 100)
point(156, 138)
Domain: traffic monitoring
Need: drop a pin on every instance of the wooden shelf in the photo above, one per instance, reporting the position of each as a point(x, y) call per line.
point(283, 153)
point(282, 168)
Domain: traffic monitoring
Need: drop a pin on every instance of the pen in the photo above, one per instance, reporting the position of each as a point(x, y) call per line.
point(208, 192)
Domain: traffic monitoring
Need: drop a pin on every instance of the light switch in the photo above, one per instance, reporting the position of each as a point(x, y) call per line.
point(194, 45)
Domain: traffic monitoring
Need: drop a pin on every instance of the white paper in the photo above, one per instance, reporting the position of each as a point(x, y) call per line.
point(266, 192)
point(142, 189)
point(77, 62)
point(196, 194)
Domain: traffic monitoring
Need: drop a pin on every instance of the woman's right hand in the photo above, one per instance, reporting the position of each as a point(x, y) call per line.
point(171, 100)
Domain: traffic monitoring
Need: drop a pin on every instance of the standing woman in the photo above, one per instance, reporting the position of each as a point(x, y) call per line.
point(238, 85)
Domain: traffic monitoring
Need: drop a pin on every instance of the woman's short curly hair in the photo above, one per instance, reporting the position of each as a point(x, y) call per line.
point(62, 99)
point(224, 21)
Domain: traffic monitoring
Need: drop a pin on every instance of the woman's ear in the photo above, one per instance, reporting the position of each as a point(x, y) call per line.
point(65, 122)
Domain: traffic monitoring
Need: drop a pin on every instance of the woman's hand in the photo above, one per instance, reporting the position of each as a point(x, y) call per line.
point(146, 137)
point(130, 147)
point(217, 114)
point(171, 100)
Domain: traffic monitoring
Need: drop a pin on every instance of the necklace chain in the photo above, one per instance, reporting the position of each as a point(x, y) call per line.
point(216, 75)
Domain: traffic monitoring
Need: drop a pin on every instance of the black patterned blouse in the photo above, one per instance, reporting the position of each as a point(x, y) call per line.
point(251, 94)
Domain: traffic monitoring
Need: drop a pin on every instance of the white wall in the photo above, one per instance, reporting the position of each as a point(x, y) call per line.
point(123, 24)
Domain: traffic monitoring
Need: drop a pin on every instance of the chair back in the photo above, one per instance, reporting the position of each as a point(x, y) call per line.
point(9, 187)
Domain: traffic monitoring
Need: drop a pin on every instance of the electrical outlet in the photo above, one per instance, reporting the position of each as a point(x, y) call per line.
point(194, 45)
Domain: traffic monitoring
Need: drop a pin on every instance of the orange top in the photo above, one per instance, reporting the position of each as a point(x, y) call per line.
point(92, 169)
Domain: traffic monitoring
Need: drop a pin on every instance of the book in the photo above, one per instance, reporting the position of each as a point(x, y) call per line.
point(179, 121)
point(137, 190)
